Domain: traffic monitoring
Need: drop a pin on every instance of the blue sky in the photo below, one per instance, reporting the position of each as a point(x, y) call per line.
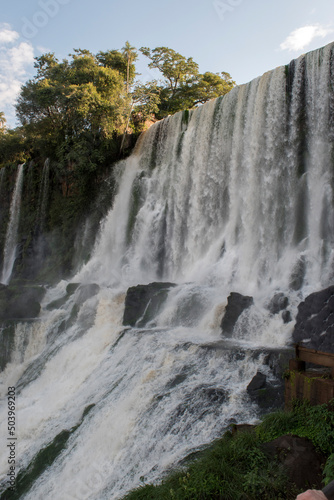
point(243, 37)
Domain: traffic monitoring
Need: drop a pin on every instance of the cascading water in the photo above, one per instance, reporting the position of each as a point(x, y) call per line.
point(11, 235)
point(236, 195)
point(43, 196)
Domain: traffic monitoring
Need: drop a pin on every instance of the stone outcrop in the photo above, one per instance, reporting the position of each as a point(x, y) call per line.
point(278, 303)
point(315, 321)
point(20, 302)
point(301, 460)
point(264, 393)
point(236, 304)
point(143, 302)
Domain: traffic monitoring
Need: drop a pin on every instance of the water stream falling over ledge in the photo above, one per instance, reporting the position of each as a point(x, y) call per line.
point(13, 224)
point(234, 196)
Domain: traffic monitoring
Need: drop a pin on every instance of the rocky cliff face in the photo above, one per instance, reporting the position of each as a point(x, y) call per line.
point(58, 221)
point(315, 321)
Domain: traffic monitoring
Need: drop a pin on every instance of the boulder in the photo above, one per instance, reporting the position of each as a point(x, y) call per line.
point(278, 303)
point(286, 317)
point(298, 274)
point(302, 462)
point(20, 302)
point(236, 304)
point(259, 381)
point(143, 302)
point(266, 395)
point(315, 321)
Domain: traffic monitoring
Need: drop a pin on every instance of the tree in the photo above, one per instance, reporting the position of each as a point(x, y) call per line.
point(116, 60)
point(72, 100)
point(205, 87)
point(182, 85)
point(131, 55)
point(2, 122)
point(175, 68)
point(146, 98)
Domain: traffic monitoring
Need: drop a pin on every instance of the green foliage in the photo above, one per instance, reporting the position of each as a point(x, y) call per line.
point(238, 468)
point(234, 468)
point(70, 98)
point(14, 147)
point(313, 422)
point(329, 469)
point(2, 122)
point(43, 459)
point(130, 54)
point(175, 68)
point(72, 109)
point(146, 99)
point(183, 86)
point(123, 62)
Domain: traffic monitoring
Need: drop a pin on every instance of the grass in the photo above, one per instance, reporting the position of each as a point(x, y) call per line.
point(237, 467)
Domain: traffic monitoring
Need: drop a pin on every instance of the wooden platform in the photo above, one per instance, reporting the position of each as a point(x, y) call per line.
point(314, 385)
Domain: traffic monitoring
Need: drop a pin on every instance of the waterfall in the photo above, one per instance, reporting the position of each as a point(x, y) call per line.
point(13, 225)
point(233, 196)
point(249, 172)
point(43, 197)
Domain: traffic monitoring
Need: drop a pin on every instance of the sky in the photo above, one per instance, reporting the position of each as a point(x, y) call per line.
point(245, 38)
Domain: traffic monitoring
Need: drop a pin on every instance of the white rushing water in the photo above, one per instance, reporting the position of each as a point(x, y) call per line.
point(236, 196)
point(13, 224)
point(43, 196)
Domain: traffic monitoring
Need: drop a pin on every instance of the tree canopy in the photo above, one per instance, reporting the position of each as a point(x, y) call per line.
point(77, 109)
point(182, 85)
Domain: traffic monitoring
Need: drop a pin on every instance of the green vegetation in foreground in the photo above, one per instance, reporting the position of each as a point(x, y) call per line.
point(237, 467)
point(44, 459)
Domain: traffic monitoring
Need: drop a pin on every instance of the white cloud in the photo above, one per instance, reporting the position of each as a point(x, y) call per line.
point(20, 57)
point(16, 65)
point(7, 35)
point(300, 38)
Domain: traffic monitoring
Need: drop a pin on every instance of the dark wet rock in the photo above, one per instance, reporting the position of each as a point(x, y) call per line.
point(236, 304)
point(298, 274)
point(286, 317)
point(264, 393)
point(20, 302)
point(302, 461)
point(57, 304)
point(178, 379)
point(315, 321)
point(85, 292)
point(7, 342)
point(259, 381)
point(143, 302)
point(201, 400)
point(71, 288)
point(215, 394)
point(278, 361)
point(278, 303)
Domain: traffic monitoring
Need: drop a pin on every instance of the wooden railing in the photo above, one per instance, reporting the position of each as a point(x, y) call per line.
point(305, 355)
point(312, 385)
